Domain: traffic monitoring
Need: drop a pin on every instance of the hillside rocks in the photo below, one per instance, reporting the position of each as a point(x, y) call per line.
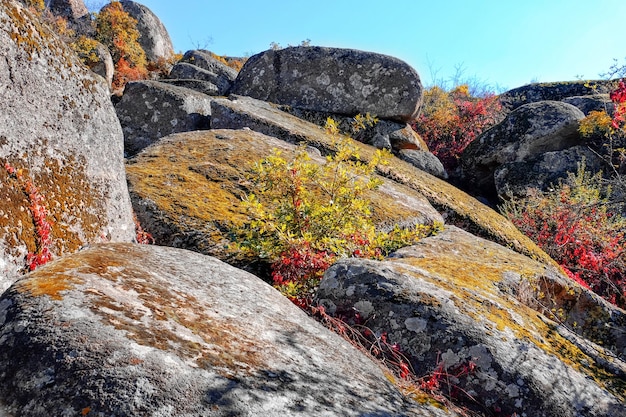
point(70, 9)
point(454, 300)
point(187, 71)
point(215, 71)
point(149, 110)
point(342, 81)
point(58, 126)
point(154, 39)
point(527, 132)
point(129, 330)
point(187, 189)
point(558, 91)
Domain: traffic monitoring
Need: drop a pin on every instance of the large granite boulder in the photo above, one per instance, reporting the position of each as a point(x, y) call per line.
point(482, 316)
point(58, 126)
point(69, 9)
point(187, 71)
point(154, 39)
point(187, 189)
point(149, 110)
point(525, 133)
point(342, 81)
point(557, 91)
point(215, 70)
point(138, 330)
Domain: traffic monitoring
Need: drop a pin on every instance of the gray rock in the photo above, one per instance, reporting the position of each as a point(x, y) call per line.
point(525, 133)
point(342, 81)
point(129, 330)
point(149, 110)
point(587, 104)
point(455, 299)
point(558, 91)
point(206, 60)
point(57, 123)
point(204, 87)
point(69, 9)
point(104, 65)
point(543, 171)
point(425, 161)
point(154, 39)
point(185, 70)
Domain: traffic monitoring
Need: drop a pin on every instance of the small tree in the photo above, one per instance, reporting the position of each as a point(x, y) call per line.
point(305, 215)
point(117, 30)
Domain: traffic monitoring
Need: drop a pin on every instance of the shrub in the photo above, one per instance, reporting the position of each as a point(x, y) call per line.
point(452, 120)
point(305, 215)
point(576, 225)
point(117, 30)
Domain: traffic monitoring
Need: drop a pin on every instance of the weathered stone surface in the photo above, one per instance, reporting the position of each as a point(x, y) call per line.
point(527, 132)
point(558, 91)
point(57, 124)
point(456, 206)
point(150, 110)
point(204, 87)
point(187, 71)
point(424, 161)
point(342, 81)
point(543, 171)
point(187, 189)
point(587, 104)
point(70, 9)
point(129, 330)
point(208, 61)
point(104, 66)
point(154, 39)
point(454, 298)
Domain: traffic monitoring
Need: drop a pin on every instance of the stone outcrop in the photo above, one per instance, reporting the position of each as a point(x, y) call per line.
point(215, 70)
point(149, 110)
point(187, 71)
point(454, 300)
point(70, 9)
point(154, 39)
point(187, 189)
point(557, 91)
point(587, 104)
point(58, 126)
point(103, 66)
point(129, 330)
point(527, 132)
point(341, 81)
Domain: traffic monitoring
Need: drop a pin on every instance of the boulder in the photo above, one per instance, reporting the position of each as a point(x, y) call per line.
point(557, 91)
point(204, 87)
point(212, 63)
point(185, 70)
point(149, 110)
point(342, 81)
point(129, 330)
point(154, 39)
point(103, 65)
point(457, 207)
point(187, 190)
point(525, 133)
point(70, 9)
point(59, 131)
point(424, 161)
point(587, 104)
point(543, 171)
point(459, 305)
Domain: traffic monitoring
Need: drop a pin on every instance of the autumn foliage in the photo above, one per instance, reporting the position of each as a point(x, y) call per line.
point(117, 30)
point(578, 226)
point(452, 120)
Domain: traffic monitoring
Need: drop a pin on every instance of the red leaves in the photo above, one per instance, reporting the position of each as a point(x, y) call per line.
point(618, 96)
point(39, 213)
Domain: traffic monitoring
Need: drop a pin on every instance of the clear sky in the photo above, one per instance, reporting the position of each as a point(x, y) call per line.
point(504, 43)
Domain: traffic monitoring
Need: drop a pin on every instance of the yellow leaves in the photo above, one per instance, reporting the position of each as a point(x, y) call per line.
point(596, 122)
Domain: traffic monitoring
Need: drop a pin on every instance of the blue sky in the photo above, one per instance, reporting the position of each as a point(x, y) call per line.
point(504, 43)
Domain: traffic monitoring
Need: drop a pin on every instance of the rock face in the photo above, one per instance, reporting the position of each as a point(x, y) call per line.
point(532, 93)
point(155, 40)
point(525, 133)
point(342, 81)
point(128, 330)
point(211, 69)
point(58, 126)
point(71, 9)
point(104, 65)
point(150, 110)
point(454, 300)
point(187, 189)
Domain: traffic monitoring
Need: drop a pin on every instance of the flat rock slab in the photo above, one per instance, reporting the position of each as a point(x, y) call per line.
point(130, 330)
point(343, 81)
